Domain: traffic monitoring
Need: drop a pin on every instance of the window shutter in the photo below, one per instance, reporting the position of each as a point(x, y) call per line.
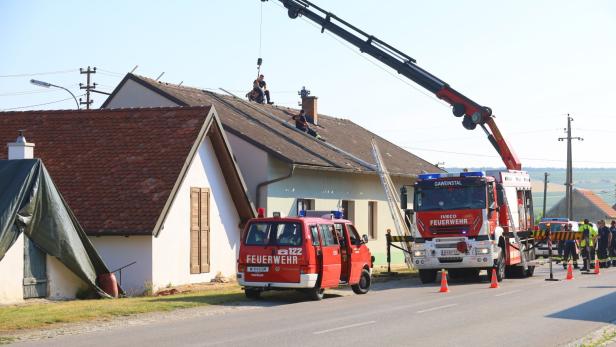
point(194, 231)
point(204, 229)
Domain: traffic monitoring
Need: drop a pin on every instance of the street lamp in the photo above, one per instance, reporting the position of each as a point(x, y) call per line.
point(47, 85)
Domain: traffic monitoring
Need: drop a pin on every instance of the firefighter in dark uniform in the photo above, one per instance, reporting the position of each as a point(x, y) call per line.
point(570, 250)
point(613, 244)
point(603, 244)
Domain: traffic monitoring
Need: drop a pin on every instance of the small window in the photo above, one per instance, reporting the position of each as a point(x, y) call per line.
point(258, 234)
point(372, 219)
point(304, 205)
point(348, 210)
point(314, 231)
point(289, 234)
point(327, 232)
point(354, 235)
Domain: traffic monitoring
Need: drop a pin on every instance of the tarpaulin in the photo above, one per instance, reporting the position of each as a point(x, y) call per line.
point(31, 203)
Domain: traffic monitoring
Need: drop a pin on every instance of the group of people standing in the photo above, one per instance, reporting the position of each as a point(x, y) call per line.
point(600, 241)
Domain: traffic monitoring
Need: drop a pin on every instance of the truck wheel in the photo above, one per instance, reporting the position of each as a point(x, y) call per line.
point(530, 271)
point(427, 276)
point(500, 266)
point(252, 293)
point(364, 283)
point(315, 294)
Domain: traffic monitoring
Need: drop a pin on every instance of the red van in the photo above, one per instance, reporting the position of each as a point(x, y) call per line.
point(305, 253)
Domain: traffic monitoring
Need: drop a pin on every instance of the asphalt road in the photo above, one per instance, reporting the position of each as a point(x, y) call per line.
point(522, 312)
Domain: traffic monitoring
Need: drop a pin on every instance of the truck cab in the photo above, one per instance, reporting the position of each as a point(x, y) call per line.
point(310, 253)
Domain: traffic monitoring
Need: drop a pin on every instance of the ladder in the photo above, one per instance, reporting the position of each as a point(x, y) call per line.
point(393, 202)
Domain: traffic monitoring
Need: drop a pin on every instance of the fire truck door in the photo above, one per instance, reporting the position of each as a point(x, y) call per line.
point(330, 251)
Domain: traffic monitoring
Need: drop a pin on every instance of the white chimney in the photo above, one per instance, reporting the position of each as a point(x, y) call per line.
point(21, 149)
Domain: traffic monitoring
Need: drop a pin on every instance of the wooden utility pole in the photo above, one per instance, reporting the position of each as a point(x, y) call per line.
point(569, 183)
point(88, 87)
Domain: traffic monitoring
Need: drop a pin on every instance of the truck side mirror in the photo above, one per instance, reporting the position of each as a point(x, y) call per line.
point(365, 238)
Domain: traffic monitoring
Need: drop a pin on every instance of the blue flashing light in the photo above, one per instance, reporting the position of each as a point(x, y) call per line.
point(472, 174)
point(337, 214)
point(429, 176)
point(302, 213)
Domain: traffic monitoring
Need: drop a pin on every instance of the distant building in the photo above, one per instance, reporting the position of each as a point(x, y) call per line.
point(586, 204)
point(287, 171)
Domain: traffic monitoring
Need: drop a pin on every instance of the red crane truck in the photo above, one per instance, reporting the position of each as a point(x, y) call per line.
point(464, 222)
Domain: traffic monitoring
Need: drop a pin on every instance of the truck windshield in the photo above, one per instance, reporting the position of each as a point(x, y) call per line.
point(450, 198)
point(274, 234)
point(553, 226)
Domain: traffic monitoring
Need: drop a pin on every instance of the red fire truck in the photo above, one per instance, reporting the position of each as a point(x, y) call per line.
point(306, 253)
point(467, 221)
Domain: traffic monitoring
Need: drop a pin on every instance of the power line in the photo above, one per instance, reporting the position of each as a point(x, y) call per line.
point(38, 73)
point(43, 104)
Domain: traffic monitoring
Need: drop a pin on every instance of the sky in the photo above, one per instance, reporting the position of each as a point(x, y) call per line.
point(532, 62)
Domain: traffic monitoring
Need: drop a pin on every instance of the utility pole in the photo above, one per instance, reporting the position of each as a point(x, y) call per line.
point(569, 183)
point(545, 192)
point(88, 87)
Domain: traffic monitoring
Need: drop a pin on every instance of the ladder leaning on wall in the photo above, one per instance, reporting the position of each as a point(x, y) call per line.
point(392, 201)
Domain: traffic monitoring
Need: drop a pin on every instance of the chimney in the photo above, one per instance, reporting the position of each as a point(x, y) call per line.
point(21, 149)
point(309, 105)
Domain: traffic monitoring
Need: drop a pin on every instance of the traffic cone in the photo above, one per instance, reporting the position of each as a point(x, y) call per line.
point(494, 283)
point(597, 266)
point(444, 286)
point(569, 272)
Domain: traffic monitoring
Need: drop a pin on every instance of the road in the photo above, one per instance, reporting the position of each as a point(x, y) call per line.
point(522, 312)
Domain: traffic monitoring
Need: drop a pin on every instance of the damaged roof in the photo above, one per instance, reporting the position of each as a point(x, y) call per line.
point(261, 125)
point(119, 169)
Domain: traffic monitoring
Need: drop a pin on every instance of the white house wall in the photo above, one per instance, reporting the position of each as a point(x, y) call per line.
point(134, 94)
point(171, 249)
point(12, 273)
point(328, 189)
point(62, 283)
point(117, 251)
point(253, 165)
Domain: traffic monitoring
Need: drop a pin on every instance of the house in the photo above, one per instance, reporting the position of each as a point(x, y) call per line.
point(586, 204)
point(286, 170)
point(43, 250)
point(157, 188)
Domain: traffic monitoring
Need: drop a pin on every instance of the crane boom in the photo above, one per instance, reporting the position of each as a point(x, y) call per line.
point(472, 113)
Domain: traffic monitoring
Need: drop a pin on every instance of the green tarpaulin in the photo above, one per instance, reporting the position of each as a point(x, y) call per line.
point(31, 203)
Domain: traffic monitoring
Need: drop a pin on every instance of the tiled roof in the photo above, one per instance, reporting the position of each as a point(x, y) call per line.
point(251, 122)
point(598, 202)
point(115, 168)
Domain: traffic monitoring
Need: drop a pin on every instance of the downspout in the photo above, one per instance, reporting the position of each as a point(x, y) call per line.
point(266, 183)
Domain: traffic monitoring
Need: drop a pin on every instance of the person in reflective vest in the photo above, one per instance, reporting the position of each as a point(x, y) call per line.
point(570, 250)
point(587, 244)
point(603, 243)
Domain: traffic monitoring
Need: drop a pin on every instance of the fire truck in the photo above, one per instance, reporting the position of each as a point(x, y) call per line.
point(463, 222)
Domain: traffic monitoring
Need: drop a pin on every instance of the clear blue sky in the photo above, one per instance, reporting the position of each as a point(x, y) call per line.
point(530, 61)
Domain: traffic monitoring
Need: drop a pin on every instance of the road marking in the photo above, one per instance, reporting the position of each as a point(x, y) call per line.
point(507, 293)
point(437, 308)
point(344, 327)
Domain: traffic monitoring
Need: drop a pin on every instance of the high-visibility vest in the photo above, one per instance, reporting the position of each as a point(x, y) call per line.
point(592, 233)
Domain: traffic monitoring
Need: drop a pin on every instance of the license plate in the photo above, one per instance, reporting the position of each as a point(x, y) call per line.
point(449, 252)
point(257, 269)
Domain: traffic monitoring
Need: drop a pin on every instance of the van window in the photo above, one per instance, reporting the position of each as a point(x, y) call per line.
point(340, 234)
point(314, 231)
point(353, 235)
point(327, 232)
point(274, 233)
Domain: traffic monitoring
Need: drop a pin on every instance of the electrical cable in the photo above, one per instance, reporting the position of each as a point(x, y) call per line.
point(39, 73)
point(43, 104)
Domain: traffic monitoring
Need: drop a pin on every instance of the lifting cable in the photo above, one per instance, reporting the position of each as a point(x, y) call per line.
point(259, 59)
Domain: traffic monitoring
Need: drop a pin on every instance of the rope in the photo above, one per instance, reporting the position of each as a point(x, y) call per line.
point(260, 40)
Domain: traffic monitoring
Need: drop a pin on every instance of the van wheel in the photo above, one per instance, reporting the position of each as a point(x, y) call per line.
point(316, 293)
point(427, 276)
point(252, 293)
point(364, 283)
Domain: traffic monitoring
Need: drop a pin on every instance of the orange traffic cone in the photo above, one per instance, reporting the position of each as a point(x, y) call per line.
point(596, 266)
point(494, 283)
point(569, 272)
point(444, 286)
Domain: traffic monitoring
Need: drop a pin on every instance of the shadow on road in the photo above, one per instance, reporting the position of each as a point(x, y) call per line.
point(601, 309)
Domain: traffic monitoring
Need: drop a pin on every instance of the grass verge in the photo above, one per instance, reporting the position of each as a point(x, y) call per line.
point(39, 315)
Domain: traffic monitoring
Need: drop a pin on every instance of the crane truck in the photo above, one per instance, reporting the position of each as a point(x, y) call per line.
point(463, 222)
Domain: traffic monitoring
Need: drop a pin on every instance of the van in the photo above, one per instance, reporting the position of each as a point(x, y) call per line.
point(309, 254)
